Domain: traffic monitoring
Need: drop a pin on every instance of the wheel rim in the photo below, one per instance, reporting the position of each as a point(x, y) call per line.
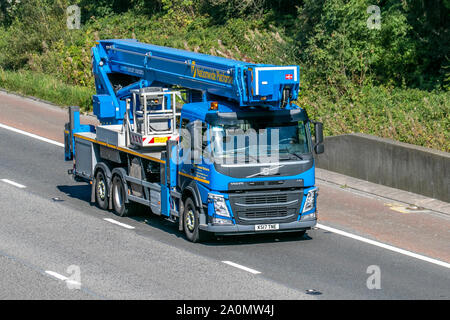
point(118, 197)
point(190, 220)
point(101, 189)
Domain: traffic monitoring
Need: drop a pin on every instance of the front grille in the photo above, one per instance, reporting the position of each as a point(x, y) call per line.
point(262, 213)
point(266, 199)
point(266, 206)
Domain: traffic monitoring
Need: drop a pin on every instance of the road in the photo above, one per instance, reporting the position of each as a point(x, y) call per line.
point(47, 225)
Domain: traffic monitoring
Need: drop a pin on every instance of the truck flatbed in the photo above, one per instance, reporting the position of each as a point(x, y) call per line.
point(143, 153)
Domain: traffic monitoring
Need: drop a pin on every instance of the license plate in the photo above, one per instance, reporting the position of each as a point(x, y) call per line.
point(264, 227)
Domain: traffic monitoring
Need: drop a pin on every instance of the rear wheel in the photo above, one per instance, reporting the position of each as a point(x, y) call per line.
point(118, 198)
point(101, 190)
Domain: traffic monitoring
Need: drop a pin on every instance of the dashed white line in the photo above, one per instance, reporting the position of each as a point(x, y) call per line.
point(15, 184)
point(56, 275)
point(32, 135)
point(119, 223)
point(384, 246)
point(62, 278)
point(241, 267)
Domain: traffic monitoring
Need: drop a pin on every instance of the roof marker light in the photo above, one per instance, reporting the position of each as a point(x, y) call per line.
point(214, 106)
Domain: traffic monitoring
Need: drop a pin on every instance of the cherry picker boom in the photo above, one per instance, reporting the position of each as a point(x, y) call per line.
point(214, 144)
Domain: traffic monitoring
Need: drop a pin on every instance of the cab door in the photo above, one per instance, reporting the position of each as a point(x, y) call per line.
point(191, 162)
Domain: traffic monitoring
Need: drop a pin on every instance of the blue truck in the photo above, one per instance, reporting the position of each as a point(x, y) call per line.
point(213, 144)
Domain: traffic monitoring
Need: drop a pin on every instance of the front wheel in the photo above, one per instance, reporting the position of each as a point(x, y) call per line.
point(191, 222)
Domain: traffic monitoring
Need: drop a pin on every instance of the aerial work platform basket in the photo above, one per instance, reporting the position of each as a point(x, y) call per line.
point(155, 117)
point(150, 120)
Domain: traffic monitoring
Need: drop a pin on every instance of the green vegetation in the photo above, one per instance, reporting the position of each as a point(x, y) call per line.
point(406, 114)
point(47, 88)
point(392, 82)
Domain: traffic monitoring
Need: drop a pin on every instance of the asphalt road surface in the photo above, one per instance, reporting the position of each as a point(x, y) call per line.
point(47, 225)
point(55, 244)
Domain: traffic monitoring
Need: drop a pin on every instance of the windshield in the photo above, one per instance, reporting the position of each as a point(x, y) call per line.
point(257, 141)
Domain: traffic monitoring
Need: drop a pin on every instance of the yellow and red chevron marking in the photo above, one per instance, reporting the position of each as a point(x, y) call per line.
point(157, 140)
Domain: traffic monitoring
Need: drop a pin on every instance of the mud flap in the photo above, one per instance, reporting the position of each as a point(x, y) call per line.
point(181, 217)
point(93, 190)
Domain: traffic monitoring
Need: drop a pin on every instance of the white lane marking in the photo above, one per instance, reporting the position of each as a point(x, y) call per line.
point(241, 267)
point(4, 126)
point(56, 275)
point(119, 223)
point(15, 184)
point(385, 246)
point(61, 277)
point(321, 226)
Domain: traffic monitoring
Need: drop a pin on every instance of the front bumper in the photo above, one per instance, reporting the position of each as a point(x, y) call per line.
point(250, 229)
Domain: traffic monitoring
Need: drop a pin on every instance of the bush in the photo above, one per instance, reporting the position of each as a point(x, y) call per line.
point(408, 115)
point(41, 23)
point(353, 78)
point(409, 49)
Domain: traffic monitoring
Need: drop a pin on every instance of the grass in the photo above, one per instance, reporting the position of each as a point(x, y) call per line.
point(61, 73)
point(407, 115)
point(56, 67)
point(47, 88)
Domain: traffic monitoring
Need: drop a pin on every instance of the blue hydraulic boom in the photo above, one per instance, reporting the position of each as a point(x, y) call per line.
point(122, 65)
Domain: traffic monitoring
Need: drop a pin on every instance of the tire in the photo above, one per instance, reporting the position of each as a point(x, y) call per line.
point(121, 208)
point(191, 222)
point(101, 190)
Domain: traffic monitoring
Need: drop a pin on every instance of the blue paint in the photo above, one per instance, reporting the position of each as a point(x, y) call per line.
point(237, 87)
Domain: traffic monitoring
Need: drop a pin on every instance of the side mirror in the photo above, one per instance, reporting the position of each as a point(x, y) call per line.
point(320, 148)
point(318, 131)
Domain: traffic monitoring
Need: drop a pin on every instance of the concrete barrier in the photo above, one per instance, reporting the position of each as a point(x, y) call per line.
point(388, 162)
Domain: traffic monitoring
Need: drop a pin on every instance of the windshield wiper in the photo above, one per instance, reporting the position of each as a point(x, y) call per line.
point(240, 151)
point(298, 156)
point(293, 153)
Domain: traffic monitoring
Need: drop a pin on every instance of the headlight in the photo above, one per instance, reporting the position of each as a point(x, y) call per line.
point(309, 202)
point(220, 207)
point(309, 216)
point(221, 221)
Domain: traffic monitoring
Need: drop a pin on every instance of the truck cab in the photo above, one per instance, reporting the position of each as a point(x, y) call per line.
point(246, 171)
